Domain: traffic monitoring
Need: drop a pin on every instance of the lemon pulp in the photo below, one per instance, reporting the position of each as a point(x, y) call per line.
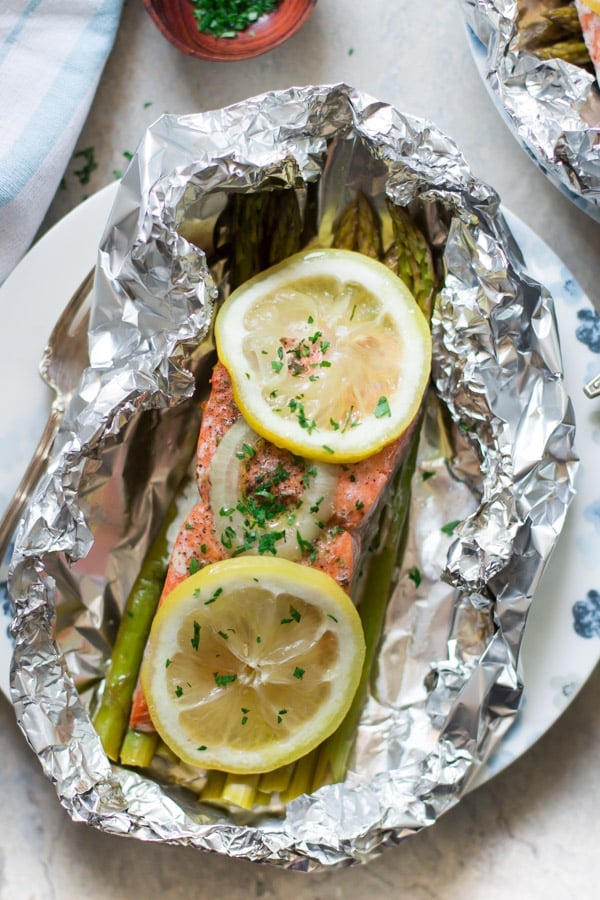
point(328, 353)
point(251, 663)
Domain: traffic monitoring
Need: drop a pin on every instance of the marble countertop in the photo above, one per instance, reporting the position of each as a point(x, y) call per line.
point(533, 831)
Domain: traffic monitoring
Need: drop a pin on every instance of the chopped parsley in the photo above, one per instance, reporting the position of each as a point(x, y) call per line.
point(196, 637)
point(247, 452)
point(214, 597)
point(223, 680)
point(415, 576)
point(382, 408)
point(89, 164)
point(267, 541)
point(449, 527)
point(298, 672)
point(226, 18)
point(294, 616)
point(306, 546)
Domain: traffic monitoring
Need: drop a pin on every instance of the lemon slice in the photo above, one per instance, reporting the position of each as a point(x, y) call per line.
point(594, 5)
point(328, 353)
point(251, 663)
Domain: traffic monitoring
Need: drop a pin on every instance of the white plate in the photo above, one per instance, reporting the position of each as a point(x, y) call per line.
point(479, 53)
point(556, 658)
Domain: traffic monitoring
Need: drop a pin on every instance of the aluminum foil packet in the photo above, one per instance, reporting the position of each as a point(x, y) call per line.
point(552, 106)
point(447, 683)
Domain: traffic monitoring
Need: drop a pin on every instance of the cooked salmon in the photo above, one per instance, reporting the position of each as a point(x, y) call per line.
point(590, 26)
point(358, 492)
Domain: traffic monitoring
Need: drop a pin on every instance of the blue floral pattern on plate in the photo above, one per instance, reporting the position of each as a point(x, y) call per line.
point(586, 615)
point(589, 330)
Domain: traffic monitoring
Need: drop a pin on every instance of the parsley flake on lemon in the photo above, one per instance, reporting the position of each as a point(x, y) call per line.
point(251, 663)
point(328, 352)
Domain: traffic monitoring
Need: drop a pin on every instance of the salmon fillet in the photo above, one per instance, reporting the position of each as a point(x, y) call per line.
point(358, 491)
point(590, 26)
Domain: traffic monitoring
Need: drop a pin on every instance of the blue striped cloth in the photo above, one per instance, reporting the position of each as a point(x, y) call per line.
point(52, 53)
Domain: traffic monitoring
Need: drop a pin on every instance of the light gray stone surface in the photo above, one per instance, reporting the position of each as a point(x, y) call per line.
point(533, 832)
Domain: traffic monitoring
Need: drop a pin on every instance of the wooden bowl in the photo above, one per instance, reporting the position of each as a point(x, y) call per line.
point(175, 20)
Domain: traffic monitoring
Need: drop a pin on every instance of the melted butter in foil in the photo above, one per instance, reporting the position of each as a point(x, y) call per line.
point(446, 685)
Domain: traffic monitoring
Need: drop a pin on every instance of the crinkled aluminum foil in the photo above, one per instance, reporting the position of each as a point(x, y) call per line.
point(447, 684)
point(552, 106)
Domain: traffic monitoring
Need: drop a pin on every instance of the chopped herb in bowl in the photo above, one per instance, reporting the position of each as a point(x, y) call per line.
point(227, 18)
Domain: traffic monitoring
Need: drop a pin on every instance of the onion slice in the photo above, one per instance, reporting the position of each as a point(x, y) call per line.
point(252, 526)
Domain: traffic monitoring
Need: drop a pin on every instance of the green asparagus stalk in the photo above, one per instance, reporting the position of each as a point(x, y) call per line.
point(112, 717)
point(555, 34)
point(542, 32)
point(138, 748)
point(358, 228)
point(566, 18)
point(302, 777)
point(213, 789)
point(572, 51)
point(271, 225)
point(410, 258)
point(240, 790)
point(335, 751)
point(276, 781)
point(247, 213)
point(283, 226)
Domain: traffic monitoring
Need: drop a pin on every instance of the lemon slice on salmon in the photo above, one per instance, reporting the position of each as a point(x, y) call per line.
point(251, 663)
point(328, 353)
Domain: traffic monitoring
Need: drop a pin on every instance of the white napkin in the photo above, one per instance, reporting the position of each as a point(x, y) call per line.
point(52, 53)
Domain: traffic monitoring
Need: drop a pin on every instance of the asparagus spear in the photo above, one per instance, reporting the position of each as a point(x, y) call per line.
point(410, 258)
point(247, 213)
point(138, 748)
point(556, 34)
point(271, 225)
point(283, 226)
point(276, 781)
point(572, 51)
point(213, 789)
point(240, 790)
point(359, 228)
point(112, 717)
point(302, 778)
point(543, 31)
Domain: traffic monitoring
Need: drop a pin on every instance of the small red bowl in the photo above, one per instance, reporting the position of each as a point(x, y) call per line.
point(175, 20)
